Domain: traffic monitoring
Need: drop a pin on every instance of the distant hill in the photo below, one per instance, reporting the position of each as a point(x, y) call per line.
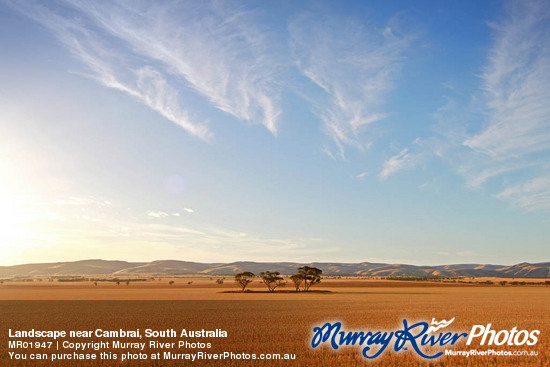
point(83, 267)
point(176, 267)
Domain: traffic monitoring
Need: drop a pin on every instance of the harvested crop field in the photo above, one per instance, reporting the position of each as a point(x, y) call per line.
point(279, 322)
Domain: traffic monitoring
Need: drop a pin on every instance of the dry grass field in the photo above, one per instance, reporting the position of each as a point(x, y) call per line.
point(278, 322)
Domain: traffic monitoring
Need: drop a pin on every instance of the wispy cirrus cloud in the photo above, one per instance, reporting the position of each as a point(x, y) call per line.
point(402, 160)
point(79, 201)
point(516, 84)
point(500, 136)
point(157, 214)
point(515, 141)
point(170, 54)
point(532, 195)
point(153, 51)
point(354, 66)
point(126, 235)
point(161, 214)
point(217, 47)
point(108, 65)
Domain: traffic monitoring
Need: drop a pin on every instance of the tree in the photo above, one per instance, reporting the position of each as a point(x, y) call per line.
point(310, 276)
point(171, 282)
point(272, 280)
point(298, 279)
point(243, 279)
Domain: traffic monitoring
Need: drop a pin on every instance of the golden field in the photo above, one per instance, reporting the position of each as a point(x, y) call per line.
point(279, 322)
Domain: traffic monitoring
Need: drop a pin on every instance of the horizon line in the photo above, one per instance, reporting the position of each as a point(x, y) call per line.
point(259, 262)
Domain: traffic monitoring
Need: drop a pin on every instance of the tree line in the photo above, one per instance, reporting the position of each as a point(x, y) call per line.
point(303, 280)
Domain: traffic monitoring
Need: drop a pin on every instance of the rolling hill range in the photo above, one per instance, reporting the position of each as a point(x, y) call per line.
point(176, 267)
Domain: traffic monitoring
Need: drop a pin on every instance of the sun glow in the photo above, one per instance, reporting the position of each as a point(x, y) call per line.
point(9, 219)
point(14, 224)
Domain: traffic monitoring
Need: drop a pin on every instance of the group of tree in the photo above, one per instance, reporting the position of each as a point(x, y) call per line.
point(303, 280)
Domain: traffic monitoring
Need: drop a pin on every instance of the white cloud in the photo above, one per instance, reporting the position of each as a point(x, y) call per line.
point(161, 214)
point(217, 48)
point(532, 195)
point(516, 82)
point(196, 243)
point(400, 161)
point(80, 201)
point(160, 231)
point(510, 117)
point(354, 66)
point(362, 175)
point(430, 185)
point(157, 214)
point(328, 152)
point(154, 51)
point(113, 69)
point(477, 173)
point(171, 55)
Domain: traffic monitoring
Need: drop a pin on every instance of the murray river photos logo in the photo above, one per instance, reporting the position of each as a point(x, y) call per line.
point(418, 337)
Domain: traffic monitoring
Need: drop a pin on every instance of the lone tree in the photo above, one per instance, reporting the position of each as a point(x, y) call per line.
point(297, 279)
point(245, 278)
point(310, 276)
point(272, 279)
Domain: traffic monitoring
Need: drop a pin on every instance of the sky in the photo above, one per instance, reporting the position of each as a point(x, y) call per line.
point(399, 132)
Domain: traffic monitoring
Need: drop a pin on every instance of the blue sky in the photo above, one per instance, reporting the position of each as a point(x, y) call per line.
point(415, 132)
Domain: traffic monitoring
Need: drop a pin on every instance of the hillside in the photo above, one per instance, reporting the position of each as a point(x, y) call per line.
point(176, 267)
